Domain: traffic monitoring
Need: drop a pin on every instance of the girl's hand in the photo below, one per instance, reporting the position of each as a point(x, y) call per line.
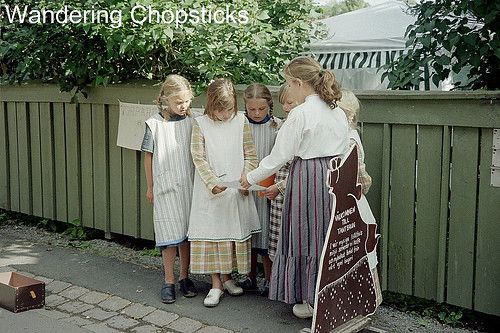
point(271, 192)
point(218, 189)
point(244, 181)
point(149, 195)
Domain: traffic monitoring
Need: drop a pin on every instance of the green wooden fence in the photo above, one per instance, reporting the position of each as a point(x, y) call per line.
point(429, 154)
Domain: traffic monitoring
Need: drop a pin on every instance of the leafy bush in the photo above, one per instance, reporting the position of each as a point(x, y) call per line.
point(451, 36)
point(78, 54)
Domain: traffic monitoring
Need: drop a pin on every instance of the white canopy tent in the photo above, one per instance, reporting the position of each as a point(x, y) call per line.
point(361, 41)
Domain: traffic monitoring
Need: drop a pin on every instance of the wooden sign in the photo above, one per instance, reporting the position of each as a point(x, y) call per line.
point(347, 288)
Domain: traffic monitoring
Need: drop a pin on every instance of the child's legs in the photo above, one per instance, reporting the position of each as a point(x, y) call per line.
point(267, 263)
point(225, 277)
point(168, 255)
point(216, 281)
point(184, 259)
point(253, 266)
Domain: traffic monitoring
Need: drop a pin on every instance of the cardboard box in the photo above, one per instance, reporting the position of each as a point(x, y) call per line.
point(20, 293)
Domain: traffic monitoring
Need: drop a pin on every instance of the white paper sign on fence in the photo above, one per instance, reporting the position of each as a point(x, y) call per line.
point(131, 126)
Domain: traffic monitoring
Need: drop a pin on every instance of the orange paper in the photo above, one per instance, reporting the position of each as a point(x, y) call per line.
point(266, 183)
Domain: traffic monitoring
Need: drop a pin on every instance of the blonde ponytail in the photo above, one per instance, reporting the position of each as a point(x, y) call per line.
point(328, 88)
point(322, 80)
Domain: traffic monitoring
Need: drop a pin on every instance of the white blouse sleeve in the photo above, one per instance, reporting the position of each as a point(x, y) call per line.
point(285, 148)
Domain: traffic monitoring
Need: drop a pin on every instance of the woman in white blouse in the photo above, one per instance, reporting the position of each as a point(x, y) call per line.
point(314, 132)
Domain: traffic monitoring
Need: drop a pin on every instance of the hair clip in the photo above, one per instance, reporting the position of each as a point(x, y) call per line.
point(321, 71)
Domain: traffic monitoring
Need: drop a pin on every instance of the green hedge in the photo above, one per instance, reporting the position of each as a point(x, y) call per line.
point(78, 54)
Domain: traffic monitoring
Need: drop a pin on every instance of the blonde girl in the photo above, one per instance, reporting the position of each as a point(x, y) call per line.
point(222, 219)
point(349, 103)
point(258, 109)
point(314, 132)
point(169, 176)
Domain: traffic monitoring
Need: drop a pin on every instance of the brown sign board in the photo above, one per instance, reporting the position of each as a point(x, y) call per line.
point(347, 287)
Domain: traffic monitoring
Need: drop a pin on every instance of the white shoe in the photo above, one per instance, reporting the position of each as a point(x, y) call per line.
point(303, 310)
point(232, 288)
point(213, 297)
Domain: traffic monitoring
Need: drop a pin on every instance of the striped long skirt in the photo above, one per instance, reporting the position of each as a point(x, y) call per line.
point(305, 219)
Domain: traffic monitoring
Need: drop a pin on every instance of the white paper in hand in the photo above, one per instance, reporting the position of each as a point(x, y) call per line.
point(236, 184)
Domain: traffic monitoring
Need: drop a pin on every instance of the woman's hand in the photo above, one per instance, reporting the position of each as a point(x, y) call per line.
point(271, 192)
point(149, 195)
point(244, 181)
point(218, 189)
point(244, 192)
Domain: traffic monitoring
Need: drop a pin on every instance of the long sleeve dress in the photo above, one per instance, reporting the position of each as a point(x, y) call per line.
point(221, 225)
point(312, 135)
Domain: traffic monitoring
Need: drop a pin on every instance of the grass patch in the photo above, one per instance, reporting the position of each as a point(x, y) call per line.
point(154, 252)
point(447, 314)
point(80, 244)
point(74, 229)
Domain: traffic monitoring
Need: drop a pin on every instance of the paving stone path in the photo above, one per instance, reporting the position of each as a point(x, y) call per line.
point(105, 313)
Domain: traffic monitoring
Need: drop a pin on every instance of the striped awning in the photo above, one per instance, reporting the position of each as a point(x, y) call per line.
point(374, 59)
point(369, 59)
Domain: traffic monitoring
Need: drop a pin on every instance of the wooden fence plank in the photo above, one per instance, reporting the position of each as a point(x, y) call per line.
point(47, 153)
point(73, 161)
point(401, 225)
point(60, 162)
point(36, 160)
point(23, 146)
point(4, 159)
point(487, 273)
point(427, 210)
point(115, 175)
point(147, 231)
point(384, 203)
point(13, 156)
point(131, 201)
point(373, 144)
point(100, 167)
point(373, 135)
point(462, 216)
point(86, 165)
point(443, 215)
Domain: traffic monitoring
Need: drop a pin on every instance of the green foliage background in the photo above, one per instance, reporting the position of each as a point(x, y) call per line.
point(451, 36)
point(76, 55)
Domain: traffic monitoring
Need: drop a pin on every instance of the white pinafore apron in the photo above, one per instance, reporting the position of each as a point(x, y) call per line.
point(227, 216)
point(173, 172)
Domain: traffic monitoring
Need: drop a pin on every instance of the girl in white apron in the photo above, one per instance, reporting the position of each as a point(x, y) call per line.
point(169, 175)
point(222, 219)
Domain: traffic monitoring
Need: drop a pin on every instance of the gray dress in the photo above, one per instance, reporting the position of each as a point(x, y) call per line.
point(264, 136)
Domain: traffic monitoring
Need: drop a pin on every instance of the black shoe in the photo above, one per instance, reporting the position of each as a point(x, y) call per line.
point(187, 288)
point(168, 293)
point(248, 284)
